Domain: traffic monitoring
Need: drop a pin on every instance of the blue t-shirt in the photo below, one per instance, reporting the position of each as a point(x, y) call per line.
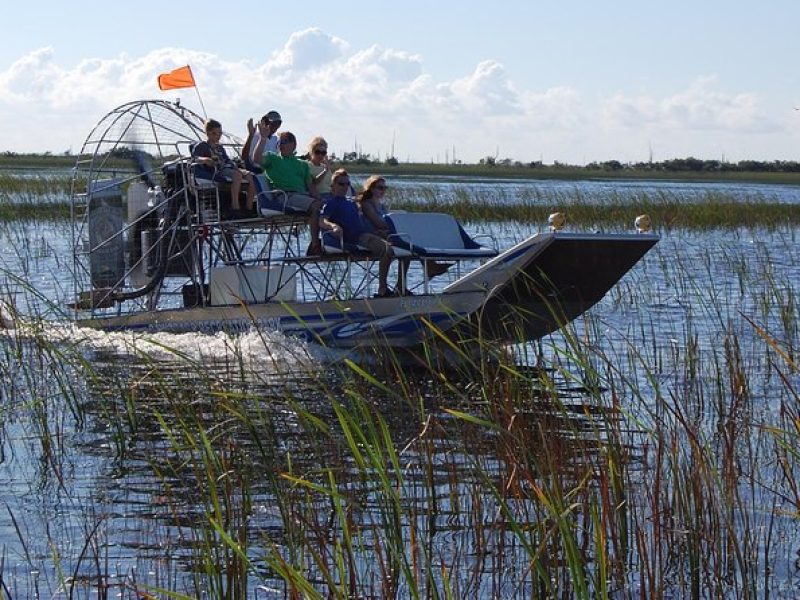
point(344, 213)
point(217, 152)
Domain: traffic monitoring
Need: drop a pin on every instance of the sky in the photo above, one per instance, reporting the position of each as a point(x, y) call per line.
point(437, 80)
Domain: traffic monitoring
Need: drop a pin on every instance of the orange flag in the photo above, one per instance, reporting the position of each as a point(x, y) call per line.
point(179, 78)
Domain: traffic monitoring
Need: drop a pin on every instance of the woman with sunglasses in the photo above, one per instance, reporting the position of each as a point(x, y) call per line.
point(320, 167)
point(370, 203)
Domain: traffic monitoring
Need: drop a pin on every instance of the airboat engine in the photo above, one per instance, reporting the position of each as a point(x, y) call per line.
point(138, 198)
point(105, 224)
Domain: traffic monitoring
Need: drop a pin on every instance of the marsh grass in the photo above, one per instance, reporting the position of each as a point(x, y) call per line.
point(668, 211)
point(34, 197)
point(48, 198)
point(649, 449)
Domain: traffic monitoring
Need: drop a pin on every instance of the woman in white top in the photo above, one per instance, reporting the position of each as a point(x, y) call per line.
point(319, 166)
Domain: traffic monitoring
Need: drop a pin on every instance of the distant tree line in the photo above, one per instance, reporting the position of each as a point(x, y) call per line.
point(674, 165)
point(701, 166)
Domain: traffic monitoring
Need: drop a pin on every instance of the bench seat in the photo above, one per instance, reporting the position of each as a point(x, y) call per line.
point(334, 245)
point(419, 235)
point(271, 201)
point(433, 235)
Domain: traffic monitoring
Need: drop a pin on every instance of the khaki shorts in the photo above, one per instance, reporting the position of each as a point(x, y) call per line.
point(298, 201)
point(376, 245)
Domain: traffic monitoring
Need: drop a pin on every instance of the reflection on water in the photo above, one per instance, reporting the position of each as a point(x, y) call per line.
point(118, 451)
point(136, 468)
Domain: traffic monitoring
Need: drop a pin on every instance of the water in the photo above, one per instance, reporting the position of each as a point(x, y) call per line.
point(502, 191)
point(81, 493)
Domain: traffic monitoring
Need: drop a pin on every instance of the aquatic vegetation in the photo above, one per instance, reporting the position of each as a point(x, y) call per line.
point(667, 211)
point(647, 450)
point(43, 197)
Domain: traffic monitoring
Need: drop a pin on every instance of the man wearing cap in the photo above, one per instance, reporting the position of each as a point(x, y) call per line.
point(269, 123)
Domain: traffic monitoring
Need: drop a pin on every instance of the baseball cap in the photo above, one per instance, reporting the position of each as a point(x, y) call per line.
point(273, 116)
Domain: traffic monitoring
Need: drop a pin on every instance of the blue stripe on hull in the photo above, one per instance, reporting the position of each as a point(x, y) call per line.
point(330, 329)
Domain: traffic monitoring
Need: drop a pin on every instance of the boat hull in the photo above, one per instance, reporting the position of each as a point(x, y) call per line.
point(547, 281)
point(395, 321)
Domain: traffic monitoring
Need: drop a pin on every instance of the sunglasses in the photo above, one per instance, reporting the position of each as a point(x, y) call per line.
point(286, 142)
point(381, 187)
point(320, 151)
point(341, 183)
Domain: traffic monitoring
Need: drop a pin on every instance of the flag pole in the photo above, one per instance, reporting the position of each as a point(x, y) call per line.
point(197, 90)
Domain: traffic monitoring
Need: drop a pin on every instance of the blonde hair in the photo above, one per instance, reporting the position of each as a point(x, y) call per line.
point(317, 140)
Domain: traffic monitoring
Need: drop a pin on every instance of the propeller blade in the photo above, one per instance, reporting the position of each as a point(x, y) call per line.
point(144, 165)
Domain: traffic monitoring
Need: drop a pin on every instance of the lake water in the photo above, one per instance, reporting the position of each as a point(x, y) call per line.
point(593, 190)
point(503, 191)
point(699, 332)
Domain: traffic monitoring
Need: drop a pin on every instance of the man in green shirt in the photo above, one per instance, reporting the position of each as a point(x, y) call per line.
point(289, 174)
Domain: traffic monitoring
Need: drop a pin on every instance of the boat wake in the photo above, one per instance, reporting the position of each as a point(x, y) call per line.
point(256, 350)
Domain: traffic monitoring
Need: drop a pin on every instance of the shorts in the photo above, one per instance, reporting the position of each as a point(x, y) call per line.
point(376, 245)
point(225, 174)
point(298, 201)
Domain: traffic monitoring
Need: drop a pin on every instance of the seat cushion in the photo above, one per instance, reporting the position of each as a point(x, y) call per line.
point(433, 234)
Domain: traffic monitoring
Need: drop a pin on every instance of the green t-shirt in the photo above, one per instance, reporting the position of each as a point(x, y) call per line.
point(287, 173)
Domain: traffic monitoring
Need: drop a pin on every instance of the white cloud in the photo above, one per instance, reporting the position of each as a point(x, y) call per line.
point(307, 49)
point(698, 107)
point(375, 95)
point(29, 75)
point(487, 90)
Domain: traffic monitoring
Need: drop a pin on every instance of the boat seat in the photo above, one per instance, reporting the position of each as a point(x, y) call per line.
point(204, 190)
point(271, 202)
point(334, 245)
point(207, 185)
point(432, 235)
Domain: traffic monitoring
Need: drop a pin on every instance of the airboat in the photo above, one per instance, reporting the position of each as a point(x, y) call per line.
point(154, 251)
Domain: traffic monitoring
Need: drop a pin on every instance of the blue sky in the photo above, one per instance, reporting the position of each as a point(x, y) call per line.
point(572, 81)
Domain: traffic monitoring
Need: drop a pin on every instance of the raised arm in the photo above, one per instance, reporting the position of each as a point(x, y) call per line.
point(258, 151)
point(251, 129)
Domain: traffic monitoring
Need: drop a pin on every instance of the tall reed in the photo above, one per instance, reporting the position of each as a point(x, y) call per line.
point(649, 449)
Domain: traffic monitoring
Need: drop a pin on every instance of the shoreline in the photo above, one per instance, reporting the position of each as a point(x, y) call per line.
point(31, 162)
